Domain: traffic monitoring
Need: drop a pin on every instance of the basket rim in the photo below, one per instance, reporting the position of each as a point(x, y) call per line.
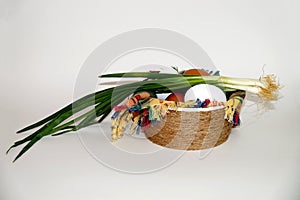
point(199, 109)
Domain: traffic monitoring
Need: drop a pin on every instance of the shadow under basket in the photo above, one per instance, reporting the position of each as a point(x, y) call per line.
point(186, 130)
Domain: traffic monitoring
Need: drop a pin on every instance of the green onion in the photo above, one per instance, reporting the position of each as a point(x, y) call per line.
point(100, 103)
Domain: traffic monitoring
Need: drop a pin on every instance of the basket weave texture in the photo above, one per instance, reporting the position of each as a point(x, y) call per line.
point(190, 130)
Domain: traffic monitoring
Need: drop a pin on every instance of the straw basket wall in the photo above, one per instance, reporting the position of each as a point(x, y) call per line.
point(187, 130)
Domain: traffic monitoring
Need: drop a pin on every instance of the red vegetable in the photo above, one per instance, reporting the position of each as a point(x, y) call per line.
point(196, 72)
point(177, 97)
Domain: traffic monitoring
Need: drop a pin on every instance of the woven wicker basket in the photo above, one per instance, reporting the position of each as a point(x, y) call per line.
point(190, 130)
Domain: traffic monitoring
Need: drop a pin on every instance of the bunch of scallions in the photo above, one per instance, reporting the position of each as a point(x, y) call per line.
point(95, 107)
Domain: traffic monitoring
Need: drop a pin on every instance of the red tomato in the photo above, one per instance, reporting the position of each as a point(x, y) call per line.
point(177, 97)
point(196, 72)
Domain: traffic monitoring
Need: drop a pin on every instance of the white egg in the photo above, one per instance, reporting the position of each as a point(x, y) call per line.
point(205, 91)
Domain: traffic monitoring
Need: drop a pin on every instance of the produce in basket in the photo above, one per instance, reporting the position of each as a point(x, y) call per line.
point(97, 106)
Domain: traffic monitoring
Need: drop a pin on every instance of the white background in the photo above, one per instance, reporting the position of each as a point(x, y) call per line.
point(43, 45)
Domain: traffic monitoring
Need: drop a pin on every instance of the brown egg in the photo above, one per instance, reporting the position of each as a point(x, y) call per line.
point(196, 72)
point(177, 97)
